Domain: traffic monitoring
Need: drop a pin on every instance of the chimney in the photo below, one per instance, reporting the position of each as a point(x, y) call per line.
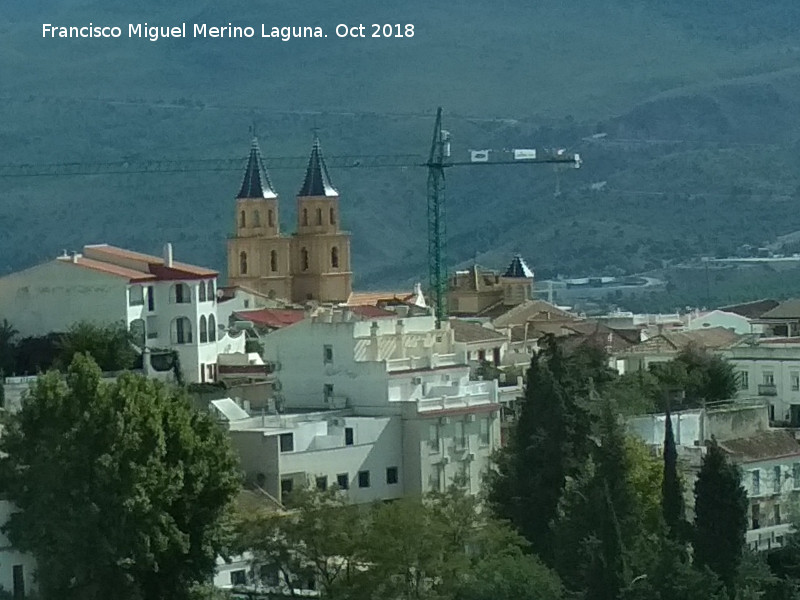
point(374, 351)
point(400, 332)
point(168, 254)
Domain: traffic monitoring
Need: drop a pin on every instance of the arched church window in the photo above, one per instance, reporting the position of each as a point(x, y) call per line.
point(270, 218)
point(256, 219)
point(319, 216)
point(305, 216)
point(273, 261)
point(243, 263)
point(333, 216)
point(304, 259)
point(201, 292)
point(242, 220)
point(335, 257)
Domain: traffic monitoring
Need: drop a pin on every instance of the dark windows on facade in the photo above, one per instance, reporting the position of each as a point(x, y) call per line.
point(203, 329)
point(363, 479)
point(333, 216)
point(304, 259)
point(212, 328)
point(335, 257)
point(391, 475)
point(242, 220)
point(287, 442)
point(343, 481)
point(243, 263)
point(322, 483)
point(305, 216)
point(273, 261)
point(348, 436)
point(319, 216)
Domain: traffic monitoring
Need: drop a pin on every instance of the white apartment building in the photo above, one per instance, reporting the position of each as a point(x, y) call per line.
point(16, 569)
point(769, 368)
point(770, 464)
point(166, 304)
point(401, 368)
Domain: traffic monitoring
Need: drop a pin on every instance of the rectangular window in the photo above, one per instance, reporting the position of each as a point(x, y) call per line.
point(152, 327)
point(18, 577)
point(795, 377)
point(151, 298)
point(287, 442)
point(756, 482)
point(744, 380)
point(136, 295)
point(327, 391)
point(322, 483)
point(327, 354)
point(776, 514)
point(239, 577)
point(769, 377)
point(435, 480)
point(287, 485)
point(343, 481)
point(776, 479)
point(459, 440)
point(484, 432)
point(433, 438)
point(391, 475)
point(755, 516)
point(348, 436)
point(363, 479)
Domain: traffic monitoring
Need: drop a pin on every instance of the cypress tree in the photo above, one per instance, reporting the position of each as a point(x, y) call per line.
point(720, 517)
point(672, 506)
point(529, 478)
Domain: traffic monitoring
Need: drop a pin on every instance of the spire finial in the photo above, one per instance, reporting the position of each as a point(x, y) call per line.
point(256, 182)
point(317, 181)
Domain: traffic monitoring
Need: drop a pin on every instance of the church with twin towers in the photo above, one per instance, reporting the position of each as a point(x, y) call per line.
point(311, 264)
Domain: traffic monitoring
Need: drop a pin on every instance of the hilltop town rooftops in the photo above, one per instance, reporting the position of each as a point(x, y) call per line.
point(764, 445)
point(668, 341)
point(751, 309)
point(466, 331)
point(789, 309)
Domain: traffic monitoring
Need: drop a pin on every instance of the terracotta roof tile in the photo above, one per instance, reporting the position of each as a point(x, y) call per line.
point(271, 317)
point(466, 331)
point(763, 446)
point(108, 268)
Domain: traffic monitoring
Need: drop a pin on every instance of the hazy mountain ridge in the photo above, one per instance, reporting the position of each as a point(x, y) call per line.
point(714, 103)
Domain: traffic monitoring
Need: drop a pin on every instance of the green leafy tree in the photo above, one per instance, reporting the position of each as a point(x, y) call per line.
point(672, 490)
point(110, 345)
point(702, 376)
point(720, 517)
point(121, 487)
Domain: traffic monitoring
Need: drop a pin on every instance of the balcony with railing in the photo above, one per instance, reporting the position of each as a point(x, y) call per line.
point(767, 389)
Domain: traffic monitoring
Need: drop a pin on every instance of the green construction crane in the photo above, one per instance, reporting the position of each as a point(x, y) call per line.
point(437, 222)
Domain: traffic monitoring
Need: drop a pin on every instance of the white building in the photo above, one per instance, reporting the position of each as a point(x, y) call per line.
point(720, 318)
point(16, 569)
point(400, 369)
point(769, 368)
point(770, 464)
point(166, 304)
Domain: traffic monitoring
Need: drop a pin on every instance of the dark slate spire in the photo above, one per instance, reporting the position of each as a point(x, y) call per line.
point(318, 182)
point(518, 269)
point(256, 183)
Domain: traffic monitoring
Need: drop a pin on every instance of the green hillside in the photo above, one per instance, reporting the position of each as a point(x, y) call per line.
point(699, 107)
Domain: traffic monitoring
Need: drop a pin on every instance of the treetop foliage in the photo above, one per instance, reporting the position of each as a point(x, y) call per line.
point(122, 487)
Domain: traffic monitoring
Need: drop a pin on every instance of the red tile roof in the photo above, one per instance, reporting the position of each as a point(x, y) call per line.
point(152, 267)
point(274, 318)
point(370, 312)
point(108, 268)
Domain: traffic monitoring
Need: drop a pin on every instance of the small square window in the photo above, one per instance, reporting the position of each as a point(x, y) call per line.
point(322, 483)
point(327, 354)
point(287, 485)
point(327, 391)
point(391, 475)
point(239, 577)
point(287, 442)
point(348, 436)
point(363, 479)
point(343, 481)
